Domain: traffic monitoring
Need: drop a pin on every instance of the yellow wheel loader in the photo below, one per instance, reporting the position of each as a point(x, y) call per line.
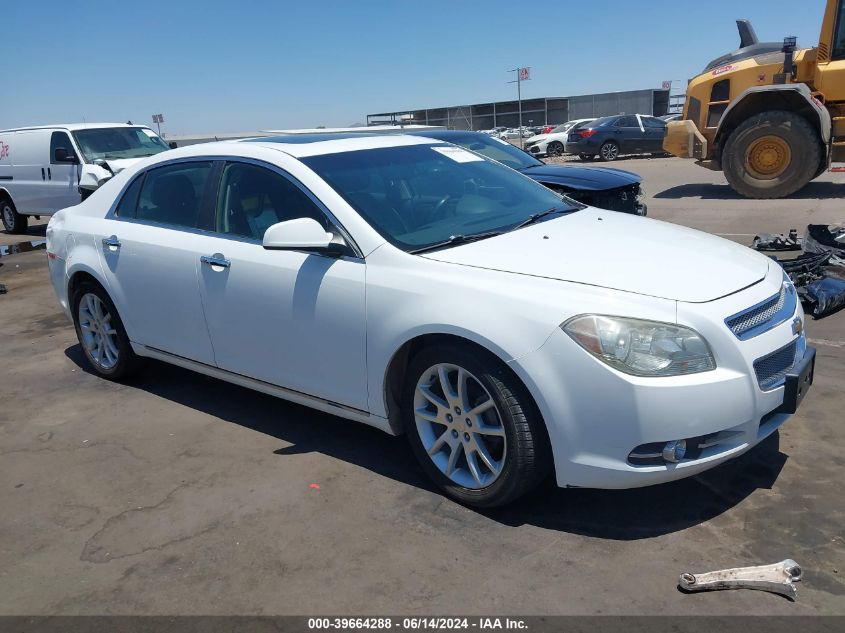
point(769, 115)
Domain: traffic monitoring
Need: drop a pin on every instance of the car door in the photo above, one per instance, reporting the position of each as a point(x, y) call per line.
point(292, 318)
point(28, 154)
point(62, 177)
point(627, 132)
point(655, 130)
point(150, 246)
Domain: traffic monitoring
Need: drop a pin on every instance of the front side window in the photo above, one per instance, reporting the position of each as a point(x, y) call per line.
point(173, 194)
point(418, 196)
point(653, 123)
point(60, 139)
point(251, 199)
point(839, 37)
point(113, 143)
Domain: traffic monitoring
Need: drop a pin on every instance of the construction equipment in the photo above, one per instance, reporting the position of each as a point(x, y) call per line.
point(770, 115)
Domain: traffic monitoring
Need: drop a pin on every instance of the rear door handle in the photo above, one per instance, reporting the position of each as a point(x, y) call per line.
point(216, 260)
point(43, 175)
point(111, 243)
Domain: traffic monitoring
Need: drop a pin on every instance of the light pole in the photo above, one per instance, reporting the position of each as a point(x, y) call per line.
point(522, 74)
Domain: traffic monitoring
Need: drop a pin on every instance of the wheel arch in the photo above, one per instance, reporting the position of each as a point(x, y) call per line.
point(795, 98)
point(80, 275)
point(4, 193)
point(394, 376)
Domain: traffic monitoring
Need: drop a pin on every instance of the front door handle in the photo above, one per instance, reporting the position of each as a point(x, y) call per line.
point(216, 260)
point(111, 243)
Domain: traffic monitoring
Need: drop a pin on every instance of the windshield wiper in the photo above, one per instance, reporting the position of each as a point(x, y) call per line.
point(454, 240)
point(534, 217)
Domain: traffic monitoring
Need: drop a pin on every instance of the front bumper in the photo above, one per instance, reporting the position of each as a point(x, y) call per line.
point(597, 417)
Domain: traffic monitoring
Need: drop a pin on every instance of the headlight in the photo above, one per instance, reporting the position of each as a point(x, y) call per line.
point(642, 348)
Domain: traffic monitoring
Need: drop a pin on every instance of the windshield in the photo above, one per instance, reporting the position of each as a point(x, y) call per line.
point(420, 195)
point(497, 149)
point(118, 142)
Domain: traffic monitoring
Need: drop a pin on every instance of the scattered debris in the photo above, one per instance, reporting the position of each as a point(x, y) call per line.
point(3, 289)
point(769, 242)
point(777, 578)
point(314, 486)
point(819, 272)
point(825, 238)
point(824, 295)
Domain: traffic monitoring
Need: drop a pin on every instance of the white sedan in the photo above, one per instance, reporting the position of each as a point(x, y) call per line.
point(420, 288)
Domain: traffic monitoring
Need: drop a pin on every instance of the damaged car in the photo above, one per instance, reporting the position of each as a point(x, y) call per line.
point(412, 285)
point(602, 187)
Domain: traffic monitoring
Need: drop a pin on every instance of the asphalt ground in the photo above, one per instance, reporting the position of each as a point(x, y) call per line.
point(181, 494)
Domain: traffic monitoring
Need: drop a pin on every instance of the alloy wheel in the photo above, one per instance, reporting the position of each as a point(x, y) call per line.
point(609, 151)
point(98, 333)
point(460, 426)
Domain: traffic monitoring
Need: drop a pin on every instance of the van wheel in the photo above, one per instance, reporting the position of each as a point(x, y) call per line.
point(13, 221)
point(473, 427)
point(101, 333)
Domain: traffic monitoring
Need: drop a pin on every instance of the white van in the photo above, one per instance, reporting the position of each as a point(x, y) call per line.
point(47, 168)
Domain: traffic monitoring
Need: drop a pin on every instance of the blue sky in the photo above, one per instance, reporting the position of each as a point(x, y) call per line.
point(214, 66)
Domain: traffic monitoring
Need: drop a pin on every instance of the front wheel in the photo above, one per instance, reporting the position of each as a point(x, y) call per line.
point(473, 426)
point(771, 155)
point(13, 221)
point(609, 151)
point(555, 148)
point(101, 333)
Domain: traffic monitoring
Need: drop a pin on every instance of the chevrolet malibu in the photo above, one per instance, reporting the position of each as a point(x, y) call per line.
point(418, 287)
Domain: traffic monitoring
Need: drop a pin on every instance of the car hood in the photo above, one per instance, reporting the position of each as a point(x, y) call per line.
point(585, 178)
point(619, 252)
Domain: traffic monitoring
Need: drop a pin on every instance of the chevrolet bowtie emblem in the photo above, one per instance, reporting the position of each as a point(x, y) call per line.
point(797, 326)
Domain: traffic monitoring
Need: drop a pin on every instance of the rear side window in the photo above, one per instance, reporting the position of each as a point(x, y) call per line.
point(627, 121)
point(129, 202)
point(251, 199)
point(60, 139)
point(173, 194)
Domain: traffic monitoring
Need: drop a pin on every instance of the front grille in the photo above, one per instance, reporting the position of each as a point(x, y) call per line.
point(764, 316)
point(622, 199)
point(772, 368)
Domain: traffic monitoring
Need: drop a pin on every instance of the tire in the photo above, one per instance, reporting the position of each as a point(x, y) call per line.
point(13, 221)
point(771, 155)
point(125, 362)
point(555, 148)
point(515, 441)
point(587, 157)
point(609, 151)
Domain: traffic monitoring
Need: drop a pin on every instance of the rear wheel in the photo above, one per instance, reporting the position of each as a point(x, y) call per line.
point(771, 155)
point(473, 427)
point(101, 333)
point(555, 148)
point(13, 221)
point(609, 151)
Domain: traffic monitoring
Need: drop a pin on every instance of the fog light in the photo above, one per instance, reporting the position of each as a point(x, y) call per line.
point(674, 451)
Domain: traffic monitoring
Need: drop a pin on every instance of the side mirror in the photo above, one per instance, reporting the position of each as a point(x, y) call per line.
point(299, 234)
point(172, 145)
point(61, 155)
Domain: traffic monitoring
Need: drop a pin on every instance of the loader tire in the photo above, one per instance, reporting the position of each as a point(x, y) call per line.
point(771, 155)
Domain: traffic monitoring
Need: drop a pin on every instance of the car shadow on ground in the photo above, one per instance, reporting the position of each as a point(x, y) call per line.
point(611, 514)
point(711, 191)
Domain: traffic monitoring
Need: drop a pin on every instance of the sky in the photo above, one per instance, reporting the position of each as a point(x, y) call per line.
point(212, 66)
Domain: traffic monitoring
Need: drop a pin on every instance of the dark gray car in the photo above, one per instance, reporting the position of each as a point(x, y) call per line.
point(610, 137)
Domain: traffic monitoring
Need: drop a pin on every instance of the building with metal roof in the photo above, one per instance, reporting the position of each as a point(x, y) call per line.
point(536, 111)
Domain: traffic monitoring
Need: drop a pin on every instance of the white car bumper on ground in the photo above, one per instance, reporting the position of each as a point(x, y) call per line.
point(616, 439)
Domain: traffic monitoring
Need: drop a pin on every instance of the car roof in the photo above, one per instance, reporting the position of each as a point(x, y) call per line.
point(303, 145)
point(73, 127)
